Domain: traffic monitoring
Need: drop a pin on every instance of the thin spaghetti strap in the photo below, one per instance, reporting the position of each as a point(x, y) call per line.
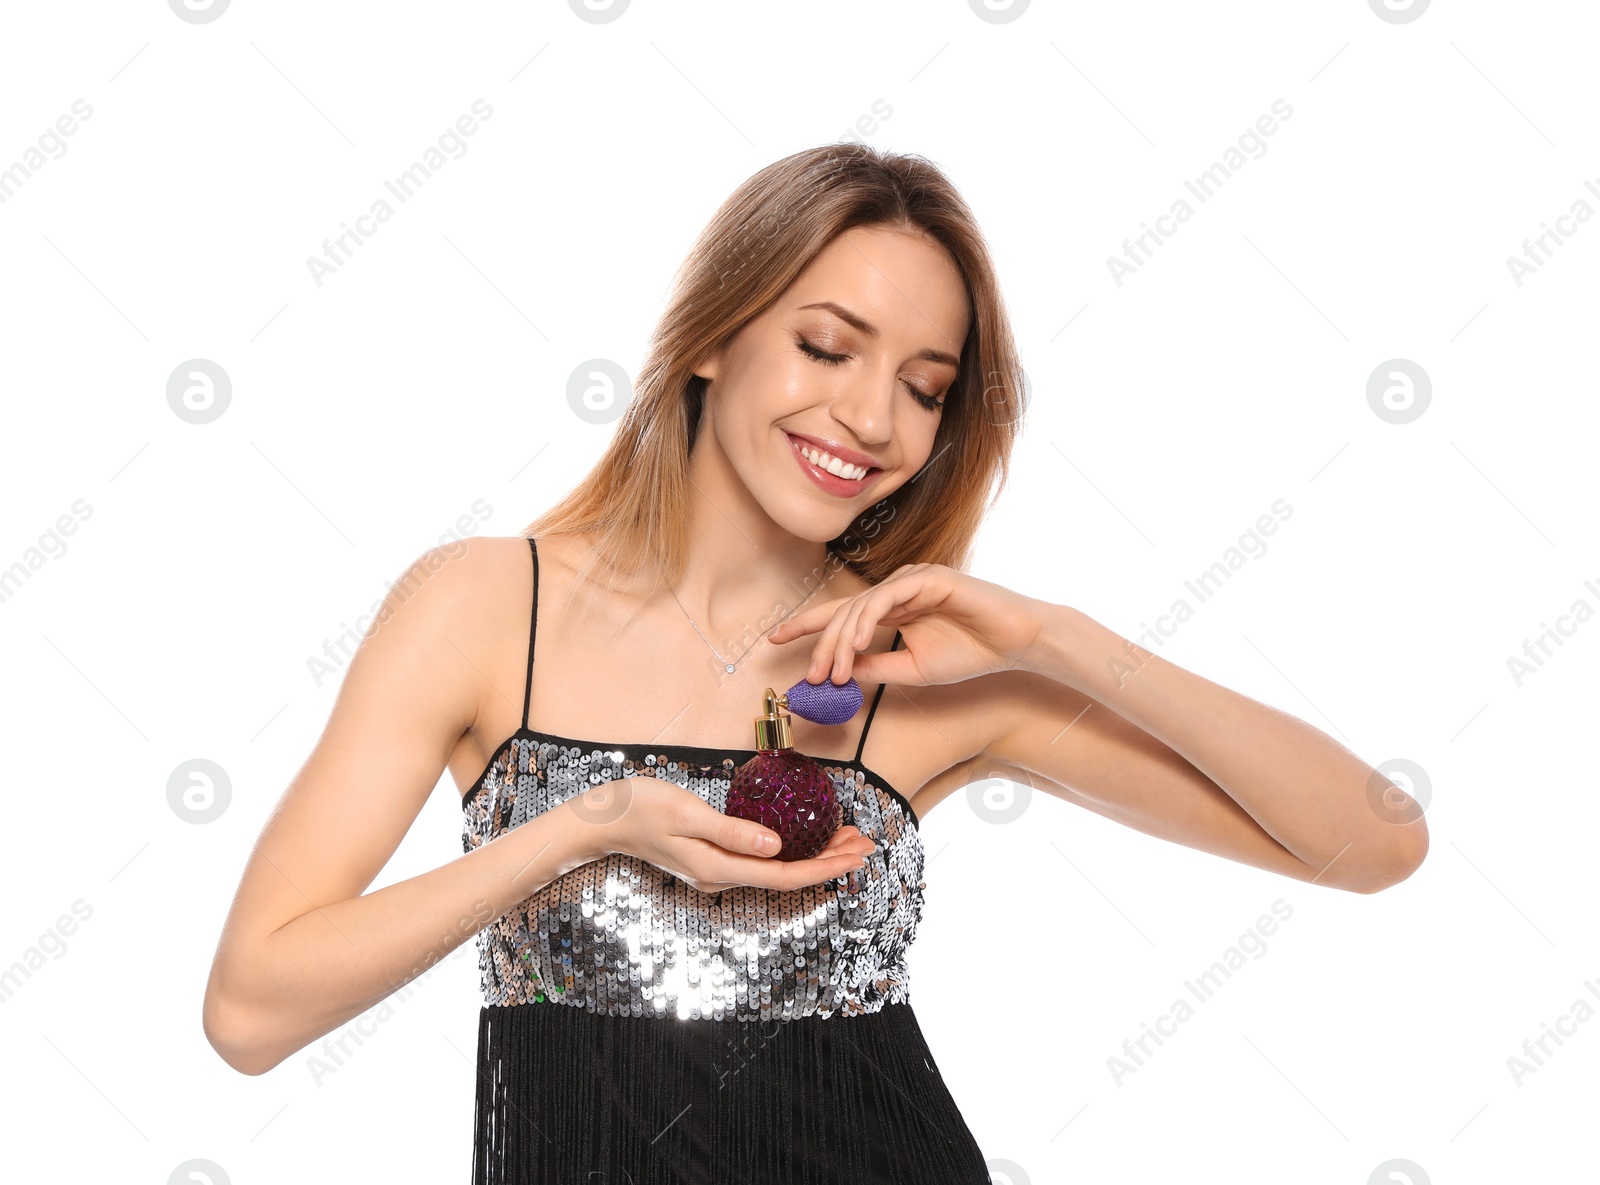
point(861, 746)
point(533, 625)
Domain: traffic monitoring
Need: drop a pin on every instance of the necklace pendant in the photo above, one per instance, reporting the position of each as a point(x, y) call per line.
point(730, 668)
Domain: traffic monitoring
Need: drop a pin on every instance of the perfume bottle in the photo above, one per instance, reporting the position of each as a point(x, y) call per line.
point(784, 789)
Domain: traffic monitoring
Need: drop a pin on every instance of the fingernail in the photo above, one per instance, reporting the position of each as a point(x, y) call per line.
point(768, 843)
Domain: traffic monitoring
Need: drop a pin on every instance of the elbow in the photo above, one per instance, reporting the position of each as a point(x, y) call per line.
point(1404, 858)
point(237, 1042)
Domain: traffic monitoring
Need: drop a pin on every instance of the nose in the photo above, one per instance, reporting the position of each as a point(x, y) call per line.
point(866, 408)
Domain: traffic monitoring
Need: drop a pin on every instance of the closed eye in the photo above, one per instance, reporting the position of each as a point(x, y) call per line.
point(931, 402)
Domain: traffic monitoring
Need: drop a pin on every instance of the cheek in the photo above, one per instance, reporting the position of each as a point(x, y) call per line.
point(914, 424)
point(768, 380)
point(795, 378)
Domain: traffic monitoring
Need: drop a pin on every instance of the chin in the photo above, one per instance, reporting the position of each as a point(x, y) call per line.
point(806, 520)
point(813, 529)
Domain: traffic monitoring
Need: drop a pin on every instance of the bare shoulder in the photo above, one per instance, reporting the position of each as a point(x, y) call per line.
point(486, 620)
point(493, 572)
point(454, 589)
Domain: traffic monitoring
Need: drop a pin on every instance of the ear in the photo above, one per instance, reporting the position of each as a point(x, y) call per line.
point(707, 368)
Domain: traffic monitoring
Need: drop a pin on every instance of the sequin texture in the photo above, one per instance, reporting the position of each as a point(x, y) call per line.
point(621, 937)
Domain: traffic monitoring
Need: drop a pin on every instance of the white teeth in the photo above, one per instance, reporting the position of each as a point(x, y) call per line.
point(832, 464)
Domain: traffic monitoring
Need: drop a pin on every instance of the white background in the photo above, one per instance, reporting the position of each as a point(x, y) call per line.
point(1168, 412)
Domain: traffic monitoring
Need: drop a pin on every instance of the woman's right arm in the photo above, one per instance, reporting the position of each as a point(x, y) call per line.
point(302, 950)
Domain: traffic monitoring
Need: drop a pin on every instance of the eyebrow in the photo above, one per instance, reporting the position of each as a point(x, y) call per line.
point(856, 321)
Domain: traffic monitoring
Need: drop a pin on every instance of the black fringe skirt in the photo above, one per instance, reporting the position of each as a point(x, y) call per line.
point(566, 1096)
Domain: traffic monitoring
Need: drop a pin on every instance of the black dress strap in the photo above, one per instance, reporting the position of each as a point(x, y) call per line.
point(861, 746)
point(533, 625)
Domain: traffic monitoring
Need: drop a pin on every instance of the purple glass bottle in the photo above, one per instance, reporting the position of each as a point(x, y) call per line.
point(783, 789)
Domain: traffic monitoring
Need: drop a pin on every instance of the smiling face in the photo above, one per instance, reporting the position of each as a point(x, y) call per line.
point(848, 370)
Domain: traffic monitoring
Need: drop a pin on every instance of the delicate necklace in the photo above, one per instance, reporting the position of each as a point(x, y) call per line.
point(729, 666)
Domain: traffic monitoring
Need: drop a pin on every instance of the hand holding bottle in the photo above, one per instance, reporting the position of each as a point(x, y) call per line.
point(678, 831)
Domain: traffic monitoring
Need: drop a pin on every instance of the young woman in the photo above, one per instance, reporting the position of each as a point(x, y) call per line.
point(791, 494)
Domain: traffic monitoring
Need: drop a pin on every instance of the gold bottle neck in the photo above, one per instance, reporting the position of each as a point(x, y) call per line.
point(773, 727)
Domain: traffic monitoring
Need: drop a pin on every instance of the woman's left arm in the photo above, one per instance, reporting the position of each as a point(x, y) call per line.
point(1322, 803)
point(1345, 824)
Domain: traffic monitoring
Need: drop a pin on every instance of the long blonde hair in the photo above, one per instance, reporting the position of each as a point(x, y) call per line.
point(633, 502)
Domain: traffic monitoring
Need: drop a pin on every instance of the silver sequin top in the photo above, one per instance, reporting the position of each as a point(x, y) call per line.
point(622, 937)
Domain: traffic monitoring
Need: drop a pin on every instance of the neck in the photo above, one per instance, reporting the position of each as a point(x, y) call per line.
point(743, 572)
point(733, 590)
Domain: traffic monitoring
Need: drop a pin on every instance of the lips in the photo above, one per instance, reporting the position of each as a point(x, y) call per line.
point(831, 483)
point(848, 455)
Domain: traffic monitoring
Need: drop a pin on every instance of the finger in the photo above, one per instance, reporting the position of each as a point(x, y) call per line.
point(887, 666)
point(844, 833)
point(839, 650)
point(856, 623)
point(890, 599)
point(720, 867)
point(721, 861)
point(870, 610)
point(800, 874)
point(848, 838)
point(732, 833)
point(806, 621)
point(863, 626)
point(822, 653)
point(829, 864)
point(738, 837)
point(747, 837)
